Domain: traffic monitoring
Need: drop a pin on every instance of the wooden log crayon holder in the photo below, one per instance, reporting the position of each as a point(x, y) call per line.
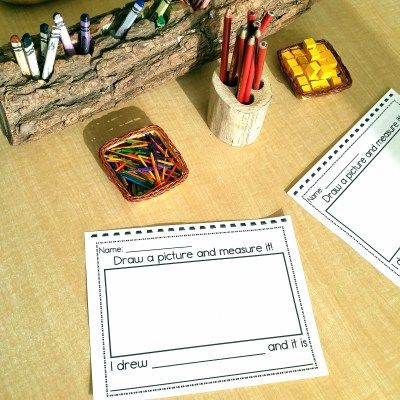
point(232, 122)
point(118, 70)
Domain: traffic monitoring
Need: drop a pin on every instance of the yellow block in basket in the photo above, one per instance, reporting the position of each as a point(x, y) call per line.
point(287, 55)
point(302, 60)
point(298, 52)
point(296, 70)
point(291, 62)
point(309, 44)
point(335, 81)
point(312, 70)
point(321, 47)
point(312, 55)
point(306, 89)
point(326, 72)
point(331, 60)
point(315, 85)
point(323, 84)
point(323, 55)
point(302, 80)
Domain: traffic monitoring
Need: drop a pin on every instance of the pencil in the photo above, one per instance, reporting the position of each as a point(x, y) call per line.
point(251, 17)
point(249, 83)
point(261, 55)
point(242, 41)
point(266, 20)
point(223, 73)
point(234, 61)
point(257, 36)
point(248, 57)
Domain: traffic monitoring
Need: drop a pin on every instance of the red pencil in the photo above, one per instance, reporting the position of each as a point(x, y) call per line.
point(266, 21)
point(234, 60)
point(248, 57)
point(223, 72)
point(242, 41)
point(236, 57)
point(251, 17)
point(249, 84)
point(261, 55)
point(257, 35)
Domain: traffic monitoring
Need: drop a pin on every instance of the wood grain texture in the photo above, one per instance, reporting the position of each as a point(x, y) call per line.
point(118, 70)
point(232, 122)
point(54, 189)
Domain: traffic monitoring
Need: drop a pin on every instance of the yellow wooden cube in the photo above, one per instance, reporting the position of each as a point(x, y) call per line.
point(323, 84)
point(298, 52)
point(302, 60)
point(287, 55)
point(290, 63)
point(312, 55)
point(323, 55)
point(321, 47)
point(314, 85)
point(296, 70)
point(322, 62)
point(335, 81)
point(302, 80)
point(312, 70)
point(326, 72)
point(309, 44)
point(331, 60)
point(306, 89)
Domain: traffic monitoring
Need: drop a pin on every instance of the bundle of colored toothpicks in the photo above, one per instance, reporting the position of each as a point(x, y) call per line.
point(248, 57)
point(143, 163)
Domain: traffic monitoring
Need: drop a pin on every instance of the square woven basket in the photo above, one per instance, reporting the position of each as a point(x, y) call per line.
point(154, 130)
point(343, 73)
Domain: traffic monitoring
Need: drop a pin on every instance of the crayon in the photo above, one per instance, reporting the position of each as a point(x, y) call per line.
point(160, 10)
point(130, 18)
point(30, 55)
point(160, 21)
point(65, 38)
point(85, 33)
point(51, 53)
point(20, 55)
point(44, 39)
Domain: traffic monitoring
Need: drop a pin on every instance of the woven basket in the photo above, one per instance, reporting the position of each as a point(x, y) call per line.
point(174, 153)
point(344, 73)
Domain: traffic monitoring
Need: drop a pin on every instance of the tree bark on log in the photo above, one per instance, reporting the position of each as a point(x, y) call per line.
point(118, 70)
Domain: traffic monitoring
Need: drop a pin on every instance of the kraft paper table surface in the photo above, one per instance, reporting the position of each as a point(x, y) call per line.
point(53, 190)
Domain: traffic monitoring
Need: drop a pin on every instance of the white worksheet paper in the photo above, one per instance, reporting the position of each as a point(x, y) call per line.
point(191, 308)
point(355, 188)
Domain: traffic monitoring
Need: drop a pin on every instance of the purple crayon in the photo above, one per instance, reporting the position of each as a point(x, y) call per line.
point(85, 33)
point(65, 38)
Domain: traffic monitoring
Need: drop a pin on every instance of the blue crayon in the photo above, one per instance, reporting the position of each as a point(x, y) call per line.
point(130, 18)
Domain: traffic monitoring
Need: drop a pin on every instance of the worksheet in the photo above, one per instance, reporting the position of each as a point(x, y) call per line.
point(355, 188)
point(190, 308)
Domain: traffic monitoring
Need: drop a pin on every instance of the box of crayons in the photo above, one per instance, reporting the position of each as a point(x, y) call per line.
point(143, 163)
point(313, 68)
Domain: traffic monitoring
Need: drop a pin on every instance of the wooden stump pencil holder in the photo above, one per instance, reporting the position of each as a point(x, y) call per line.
point(232, 122)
